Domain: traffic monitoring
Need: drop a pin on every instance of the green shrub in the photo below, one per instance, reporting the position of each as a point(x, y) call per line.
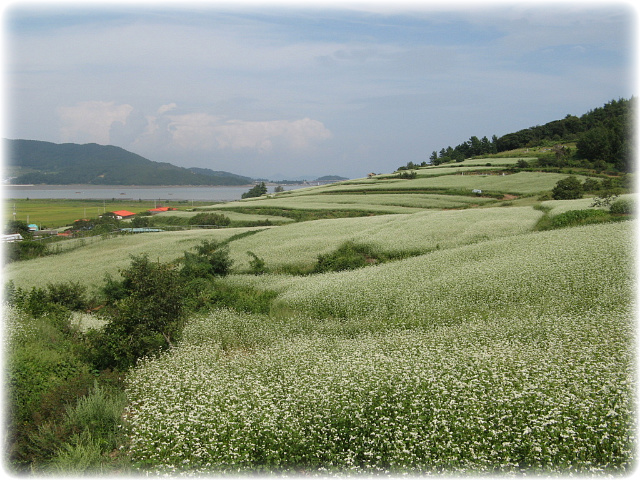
point(146, 320)
point(68, 294)
point(623, 206)
point(214, 219)
point(25, 250)
point(257, 264)
point(99, 413)
point(242, 299)
point(81, 455)
point(348, 256)
point(256, 191)
point(86, 432)
point(211, 259)
point(578, 217)
point(567, 189)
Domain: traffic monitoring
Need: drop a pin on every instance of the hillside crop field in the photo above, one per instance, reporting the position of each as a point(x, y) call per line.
point(470, 341)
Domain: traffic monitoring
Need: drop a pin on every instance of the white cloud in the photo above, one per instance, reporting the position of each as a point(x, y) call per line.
point(107, 122)
point(263, 136)
point(91, 121)
point(166, 108)
point(203, 131)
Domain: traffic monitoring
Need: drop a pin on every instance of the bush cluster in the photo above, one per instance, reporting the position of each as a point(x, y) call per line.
point(213, 219)
point(347, 256)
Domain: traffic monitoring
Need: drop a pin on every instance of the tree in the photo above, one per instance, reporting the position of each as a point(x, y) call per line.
point(147, 318)
point(567, 189)
point(595, 144)
point(18, 226)
point(256, 191)
point(211, 259)
point(141, 221)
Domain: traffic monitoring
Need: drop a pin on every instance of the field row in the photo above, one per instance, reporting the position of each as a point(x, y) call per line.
point(511, 355)
point(294, 245)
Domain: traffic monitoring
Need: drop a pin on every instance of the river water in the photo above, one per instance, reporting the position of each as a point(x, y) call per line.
point(109, 192)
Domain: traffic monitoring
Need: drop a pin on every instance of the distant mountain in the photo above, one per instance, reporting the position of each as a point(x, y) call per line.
point(218, 173)
point(330, 178)
point(37, 162)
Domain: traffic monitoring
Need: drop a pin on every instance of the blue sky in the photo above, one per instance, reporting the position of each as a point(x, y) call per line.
point(282, 90)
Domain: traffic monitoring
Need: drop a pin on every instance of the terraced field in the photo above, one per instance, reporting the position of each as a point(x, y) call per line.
point(479, 346)
point(506, 356)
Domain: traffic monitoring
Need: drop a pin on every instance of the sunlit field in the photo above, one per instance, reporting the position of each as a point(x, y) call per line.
point(300, 244)
point(335, 202)
point(88, 264)
point(480, 338)
point(233, 216)
point(561, 206)
point(510, 183)
point(488, 358)
point(544, 272)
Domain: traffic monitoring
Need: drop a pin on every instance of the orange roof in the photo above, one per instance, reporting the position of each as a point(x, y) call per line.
point(159, 209)
point(123, 213)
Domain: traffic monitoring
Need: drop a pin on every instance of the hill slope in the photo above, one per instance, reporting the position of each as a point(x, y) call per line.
point(40, 162)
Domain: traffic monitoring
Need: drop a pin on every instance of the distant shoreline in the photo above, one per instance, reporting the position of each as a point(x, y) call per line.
point(133, 192)
point(92, 185)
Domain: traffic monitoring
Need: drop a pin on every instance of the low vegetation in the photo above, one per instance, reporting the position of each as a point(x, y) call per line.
point(470, 319)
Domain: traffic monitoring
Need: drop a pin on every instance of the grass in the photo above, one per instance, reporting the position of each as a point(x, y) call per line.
point(56, 213)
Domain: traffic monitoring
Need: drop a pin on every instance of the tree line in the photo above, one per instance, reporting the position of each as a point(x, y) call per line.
point(603, 137)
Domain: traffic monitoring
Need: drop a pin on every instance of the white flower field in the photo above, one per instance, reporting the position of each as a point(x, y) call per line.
point(476, 343)
point(511, 355)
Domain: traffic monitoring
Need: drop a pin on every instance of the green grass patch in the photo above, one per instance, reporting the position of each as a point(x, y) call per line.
point(56, 213)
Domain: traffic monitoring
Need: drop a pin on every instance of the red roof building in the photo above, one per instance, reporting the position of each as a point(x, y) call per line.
point(120, 214)
point(160, 209)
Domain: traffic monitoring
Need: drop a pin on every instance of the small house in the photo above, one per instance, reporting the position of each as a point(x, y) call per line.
point(120, 214)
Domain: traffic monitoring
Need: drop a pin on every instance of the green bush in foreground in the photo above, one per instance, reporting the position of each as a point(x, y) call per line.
point(146, 316)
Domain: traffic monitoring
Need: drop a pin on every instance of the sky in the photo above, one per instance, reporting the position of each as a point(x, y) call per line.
point(284, 90)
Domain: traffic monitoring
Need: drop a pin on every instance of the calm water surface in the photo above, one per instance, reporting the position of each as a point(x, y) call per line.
point(108, 192)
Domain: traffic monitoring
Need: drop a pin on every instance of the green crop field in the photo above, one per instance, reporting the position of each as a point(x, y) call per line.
point(371, 202)
point(53, 213)
point(517, 183)
point(476, 340)
point(233, 216)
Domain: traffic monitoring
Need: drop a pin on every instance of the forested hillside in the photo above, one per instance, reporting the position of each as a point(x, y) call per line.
point(603, 139)
point(36, 162)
